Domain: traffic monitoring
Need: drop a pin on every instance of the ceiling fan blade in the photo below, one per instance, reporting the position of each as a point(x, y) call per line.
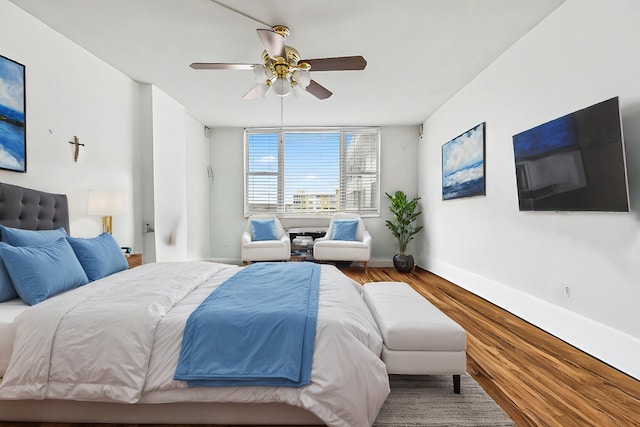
point(337, 64)
point(221, 66)
point(273, 43)
point(318, 90)
point(252, 94)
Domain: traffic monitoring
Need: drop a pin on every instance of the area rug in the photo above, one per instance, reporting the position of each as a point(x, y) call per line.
point(430, 401)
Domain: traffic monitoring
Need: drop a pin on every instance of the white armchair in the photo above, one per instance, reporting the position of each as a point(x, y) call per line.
point(334, 247)
point(270, 242)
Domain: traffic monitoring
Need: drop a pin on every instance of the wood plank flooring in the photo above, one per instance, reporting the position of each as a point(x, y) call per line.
point(536, 378)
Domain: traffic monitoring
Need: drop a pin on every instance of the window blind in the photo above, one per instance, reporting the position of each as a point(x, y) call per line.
point(359, 181)
point(261, 167)
point(312, 171)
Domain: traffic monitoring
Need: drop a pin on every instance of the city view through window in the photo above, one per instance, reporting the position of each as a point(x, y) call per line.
point(312, 172)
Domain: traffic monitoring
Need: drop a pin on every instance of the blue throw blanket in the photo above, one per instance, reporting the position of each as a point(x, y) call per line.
point(257, 328)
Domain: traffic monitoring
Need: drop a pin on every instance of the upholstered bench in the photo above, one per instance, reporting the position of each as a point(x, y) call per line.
point(418, 338)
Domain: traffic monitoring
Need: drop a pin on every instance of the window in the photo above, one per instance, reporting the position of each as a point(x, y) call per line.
point(312, 171)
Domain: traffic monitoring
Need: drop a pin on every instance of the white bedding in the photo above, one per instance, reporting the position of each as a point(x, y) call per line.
point(9, 311)
point(64, 347)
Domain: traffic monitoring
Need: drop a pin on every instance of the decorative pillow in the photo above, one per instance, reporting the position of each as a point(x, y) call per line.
point(345, 229)
point(263, 229)
point(7, 291)
point(19, 237)
point(99, 256)
point(39, 272)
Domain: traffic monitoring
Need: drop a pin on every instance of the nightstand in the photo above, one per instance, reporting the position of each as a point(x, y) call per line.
point(134, 260)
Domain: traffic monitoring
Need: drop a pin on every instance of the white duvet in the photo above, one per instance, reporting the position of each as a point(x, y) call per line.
point(118, 340)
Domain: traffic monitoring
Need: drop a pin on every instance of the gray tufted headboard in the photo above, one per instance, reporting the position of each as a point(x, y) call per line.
point(32, 209)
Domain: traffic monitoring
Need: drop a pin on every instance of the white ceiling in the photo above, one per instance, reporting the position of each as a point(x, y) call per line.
point(419, 52)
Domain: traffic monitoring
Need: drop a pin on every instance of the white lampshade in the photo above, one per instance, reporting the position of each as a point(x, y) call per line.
point(302, 78)
point(281, 87)
point(263, 89)
point(298, 91)
point(106, 202)
point(261, 73)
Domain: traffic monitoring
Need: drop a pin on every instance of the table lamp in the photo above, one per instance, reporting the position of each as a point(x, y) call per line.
point(106, 203)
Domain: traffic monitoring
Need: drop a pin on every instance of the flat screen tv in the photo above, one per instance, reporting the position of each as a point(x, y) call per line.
point(573, 163)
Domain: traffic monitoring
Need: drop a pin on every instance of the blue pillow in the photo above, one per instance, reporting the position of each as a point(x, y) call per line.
point(39, 272)
point(99, 256)
point(263, 229)
point(345, 229)
point(7, 290)
point(19, 237)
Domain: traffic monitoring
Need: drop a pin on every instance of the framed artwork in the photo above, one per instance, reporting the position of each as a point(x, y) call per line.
point(463, 167)
point(13, 126)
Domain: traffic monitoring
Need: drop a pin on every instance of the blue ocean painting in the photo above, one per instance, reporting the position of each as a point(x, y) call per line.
point(463, 165)
point(12, 116)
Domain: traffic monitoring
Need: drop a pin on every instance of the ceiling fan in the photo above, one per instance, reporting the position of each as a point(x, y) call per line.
point(282, 69)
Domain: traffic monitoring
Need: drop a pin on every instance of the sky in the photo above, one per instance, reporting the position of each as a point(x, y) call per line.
point(11, 85)
point(463, 151)
point(315, 164)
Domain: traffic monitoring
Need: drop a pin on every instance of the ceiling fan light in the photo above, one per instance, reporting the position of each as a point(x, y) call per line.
point(260, 72)
point(302, 77)
point(263, 89)
point(281, 87)
point(298, 91)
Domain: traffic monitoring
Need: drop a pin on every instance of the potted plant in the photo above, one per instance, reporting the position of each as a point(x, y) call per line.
point(403, 226)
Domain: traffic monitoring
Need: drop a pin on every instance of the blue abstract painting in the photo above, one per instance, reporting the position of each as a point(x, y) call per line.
point(13, 143)
point(463, 165)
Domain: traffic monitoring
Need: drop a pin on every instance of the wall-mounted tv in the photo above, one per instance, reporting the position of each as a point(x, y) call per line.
point(573, 163)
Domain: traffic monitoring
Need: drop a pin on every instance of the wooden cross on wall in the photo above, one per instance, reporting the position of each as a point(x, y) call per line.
point(76, 142)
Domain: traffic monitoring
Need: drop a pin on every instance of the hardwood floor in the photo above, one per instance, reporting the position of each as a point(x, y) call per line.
point(536, 378)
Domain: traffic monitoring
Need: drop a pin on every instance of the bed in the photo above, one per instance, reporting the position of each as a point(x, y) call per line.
point(348, 382)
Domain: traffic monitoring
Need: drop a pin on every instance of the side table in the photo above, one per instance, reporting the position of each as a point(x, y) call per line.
point(302, 242)
point(134, 260)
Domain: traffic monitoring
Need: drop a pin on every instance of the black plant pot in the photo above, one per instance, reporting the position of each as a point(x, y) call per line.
point(403, 263)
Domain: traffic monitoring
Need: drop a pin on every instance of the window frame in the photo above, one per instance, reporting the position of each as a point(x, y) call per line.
point(343, 131)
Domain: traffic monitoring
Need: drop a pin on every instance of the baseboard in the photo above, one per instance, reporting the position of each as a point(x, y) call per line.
point(615, 348)
point(374, 262)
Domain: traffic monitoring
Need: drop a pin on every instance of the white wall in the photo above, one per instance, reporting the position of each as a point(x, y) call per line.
point(583, 53)
point(198, 187)
point(147, 202)
point(137, 140)
point(398, 171)
point(226, 196)
point(175, 196)
point(70, 92)
point(169, 177)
